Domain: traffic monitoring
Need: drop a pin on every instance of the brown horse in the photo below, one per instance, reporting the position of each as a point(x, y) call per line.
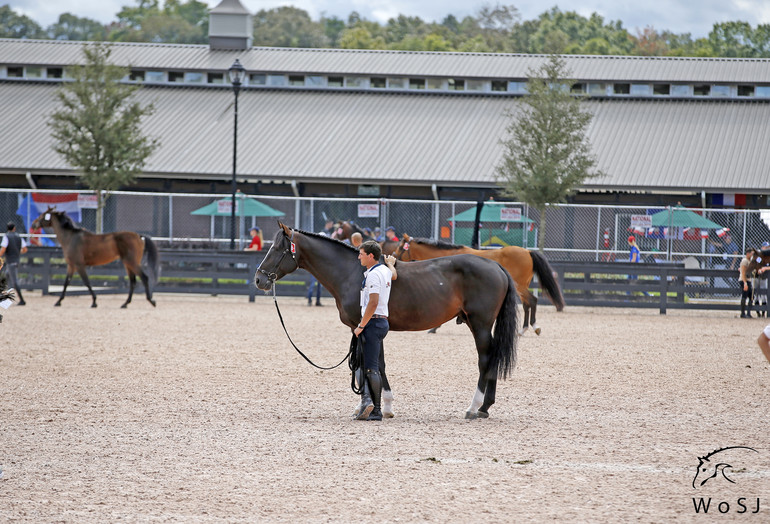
point(343, 230)
point(521, 263)
point(426, 294)
point(82, 249)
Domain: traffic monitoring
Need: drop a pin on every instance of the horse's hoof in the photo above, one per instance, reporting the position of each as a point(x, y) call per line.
point(153, 303)
point(470, 415)
point(124, 306)
point(432, 330)
point(58, 304)
point(388, 414)
point(483, 414)
point(93, 305)
point(537, 330)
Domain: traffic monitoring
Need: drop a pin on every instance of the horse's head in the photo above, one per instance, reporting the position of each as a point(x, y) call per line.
point(402, 251)
point(45, 219)
point(281, 259)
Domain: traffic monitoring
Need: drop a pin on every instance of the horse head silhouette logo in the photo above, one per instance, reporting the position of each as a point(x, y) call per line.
point(719, 462)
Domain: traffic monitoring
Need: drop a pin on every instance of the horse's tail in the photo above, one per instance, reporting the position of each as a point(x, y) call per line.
point(151, 259)
point(547, 281)
point(503, 350)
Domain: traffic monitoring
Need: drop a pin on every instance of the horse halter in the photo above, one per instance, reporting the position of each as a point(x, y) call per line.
point(272, 277)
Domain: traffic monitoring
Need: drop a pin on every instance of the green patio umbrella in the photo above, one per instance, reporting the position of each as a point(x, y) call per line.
point(682, 217)
point(489, 213)
point(247, 207)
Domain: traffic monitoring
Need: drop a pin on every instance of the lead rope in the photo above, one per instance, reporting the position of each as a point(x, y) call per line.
point(352, 347)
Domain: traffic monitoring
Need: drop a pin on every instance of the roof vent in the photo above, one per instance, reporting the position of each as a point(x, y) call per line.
point(230, 26)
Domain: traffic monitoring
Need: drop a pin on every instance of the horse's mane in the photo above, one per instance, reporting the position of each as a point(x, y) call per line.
point(325, 237)
point(66, 222)
point(437, 243)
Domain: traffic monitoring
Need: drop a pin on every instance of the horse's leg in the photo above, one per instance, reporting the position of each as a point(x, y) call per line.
point(70, 271)
point(84, 276)
point(525, 304)
point(387, 394)
point(533, 320)
point(482, 335)
point(433, 330)
point(131, 285)
point(146, 284)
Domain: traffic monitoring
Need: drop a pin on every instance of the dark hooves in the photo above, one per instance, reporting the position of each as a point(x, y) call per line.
point(433, 330)
point(153, 303)
point(58, 304)
point(478, 414)
point(93, 305)
point(124, 306)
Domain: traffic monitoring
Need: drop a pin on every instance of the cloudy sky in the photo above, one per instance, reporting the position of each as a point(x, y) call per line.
point(679, 16)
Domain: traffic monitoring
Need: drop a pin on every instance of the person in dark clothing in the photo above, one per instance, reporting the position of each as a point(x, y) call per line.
point(12, 247)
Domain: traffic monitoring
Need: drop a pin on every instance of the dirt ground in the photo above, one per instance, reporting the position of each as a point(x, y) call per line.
point(201, 411)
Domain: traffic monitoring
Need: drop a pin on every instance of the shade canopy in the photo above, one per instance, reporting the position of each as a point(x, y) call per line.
point(492, 213)
point(681, 217)
point(246, 207)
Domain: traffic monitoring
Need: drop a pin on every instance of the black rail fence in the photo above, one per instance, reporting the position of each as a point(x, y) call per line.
point(659, 286)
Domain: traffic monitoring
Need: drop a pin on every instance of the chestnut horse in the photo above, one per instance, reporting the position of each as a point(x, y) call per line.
point(82, 249)
point(426, 294)
point(343, 230)
point(521, 263)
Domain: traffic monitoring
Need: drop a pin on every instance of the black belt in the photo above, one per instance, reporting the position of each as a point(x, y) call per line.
point(379, 316)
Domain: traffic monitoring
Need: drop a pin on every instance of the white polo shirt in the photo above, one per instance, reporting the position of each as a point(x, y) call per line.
point(376, 280)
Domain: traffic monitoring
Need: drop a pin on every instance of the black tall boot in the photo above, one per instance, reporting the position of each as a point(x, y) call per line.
point(743, 308)
point(375, 388)
point(21, 298)
point(367, 406)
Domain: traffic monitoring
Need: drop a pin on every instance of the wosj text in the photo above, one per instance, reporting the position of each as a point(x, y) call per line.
point(742, 505)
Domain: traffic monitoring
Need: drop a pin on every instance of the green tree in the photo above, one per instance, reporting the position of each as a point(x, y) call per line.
point(288, 27)
point(360, 38)
point(71, 27)
point(14, 25)
point(97, 128)
point(547, 155)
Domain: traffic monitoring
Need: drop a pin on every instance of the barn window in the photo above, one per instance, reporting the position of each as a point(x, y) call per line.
point(54, 72)
point(156, 76)
point(336, 81)
point(475, 85)
point(257, 79)
point(661, 89)
point(641, 90)
point(297, 80)
point(215, 78)
point(745, 90)
point(720, 91)
point(681, 90)
point(175, 76)
point(499, 85)
point(378, 82)
point(136, 76)
point(701, 90)
point(416, 83)
point(456, 84)
point(314, 81)
point(621, 89)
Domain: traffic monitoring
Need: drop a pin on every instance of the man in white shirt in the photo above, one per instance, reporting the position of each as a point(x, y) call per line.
point(375, 293)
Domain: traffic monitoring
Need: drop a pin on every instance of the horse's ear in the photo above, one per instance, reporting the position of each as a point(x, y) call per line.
point(406, 237)
point(286, 229)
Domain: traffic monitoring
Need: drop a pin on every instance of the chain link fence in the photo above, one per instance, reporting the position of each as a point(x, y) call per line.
point(579, 233)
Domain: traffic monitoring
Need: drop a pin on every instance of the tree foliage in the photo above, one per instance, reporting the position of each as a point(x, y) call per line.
point(97, 126)
point(547, 155)
point(495, 28)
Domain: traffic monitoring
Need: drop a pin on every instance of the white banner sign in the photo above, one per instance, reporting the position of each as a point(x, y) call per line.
point(643, 221)
point(510, 214)
point(87, 201)
point(226, 206)
point(368, 210)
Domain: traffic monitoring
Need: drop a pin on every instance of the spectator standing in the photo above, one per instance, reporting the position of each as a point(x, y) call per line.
point(730, 250)
point(390, 234)
point(745, 282)
point(12, 247)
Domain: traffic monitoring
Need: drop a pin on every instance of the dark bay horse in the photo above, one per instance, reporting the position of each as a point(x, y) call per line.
point(426, 294)
point(83, 249)
point(521, 263)
point(343, 230)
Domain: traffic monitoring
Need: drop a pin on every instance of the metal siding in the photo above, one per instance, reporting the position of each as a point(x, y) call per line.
point(403, 63)
point(393, 138)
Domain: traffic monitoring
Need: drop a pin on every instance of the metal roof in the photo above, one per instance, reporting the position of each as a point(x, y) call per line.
point(395, 138)
point(394, 63)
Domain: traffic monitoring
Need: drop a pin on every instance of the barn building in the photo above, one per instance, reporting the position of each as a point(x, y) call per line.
point(331, 122)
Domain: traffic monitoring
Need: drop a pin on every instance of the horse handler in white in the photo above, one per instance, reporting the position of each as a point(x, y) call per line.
point(375, 293)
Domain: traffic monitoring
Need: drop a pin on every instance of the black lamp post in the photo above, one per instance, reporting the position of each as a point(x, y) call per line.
point(236, 73)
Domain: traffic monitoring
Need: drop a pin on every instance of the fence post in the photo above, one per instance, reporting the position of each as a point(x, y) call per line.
point(250, 280)
point(663, 290)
